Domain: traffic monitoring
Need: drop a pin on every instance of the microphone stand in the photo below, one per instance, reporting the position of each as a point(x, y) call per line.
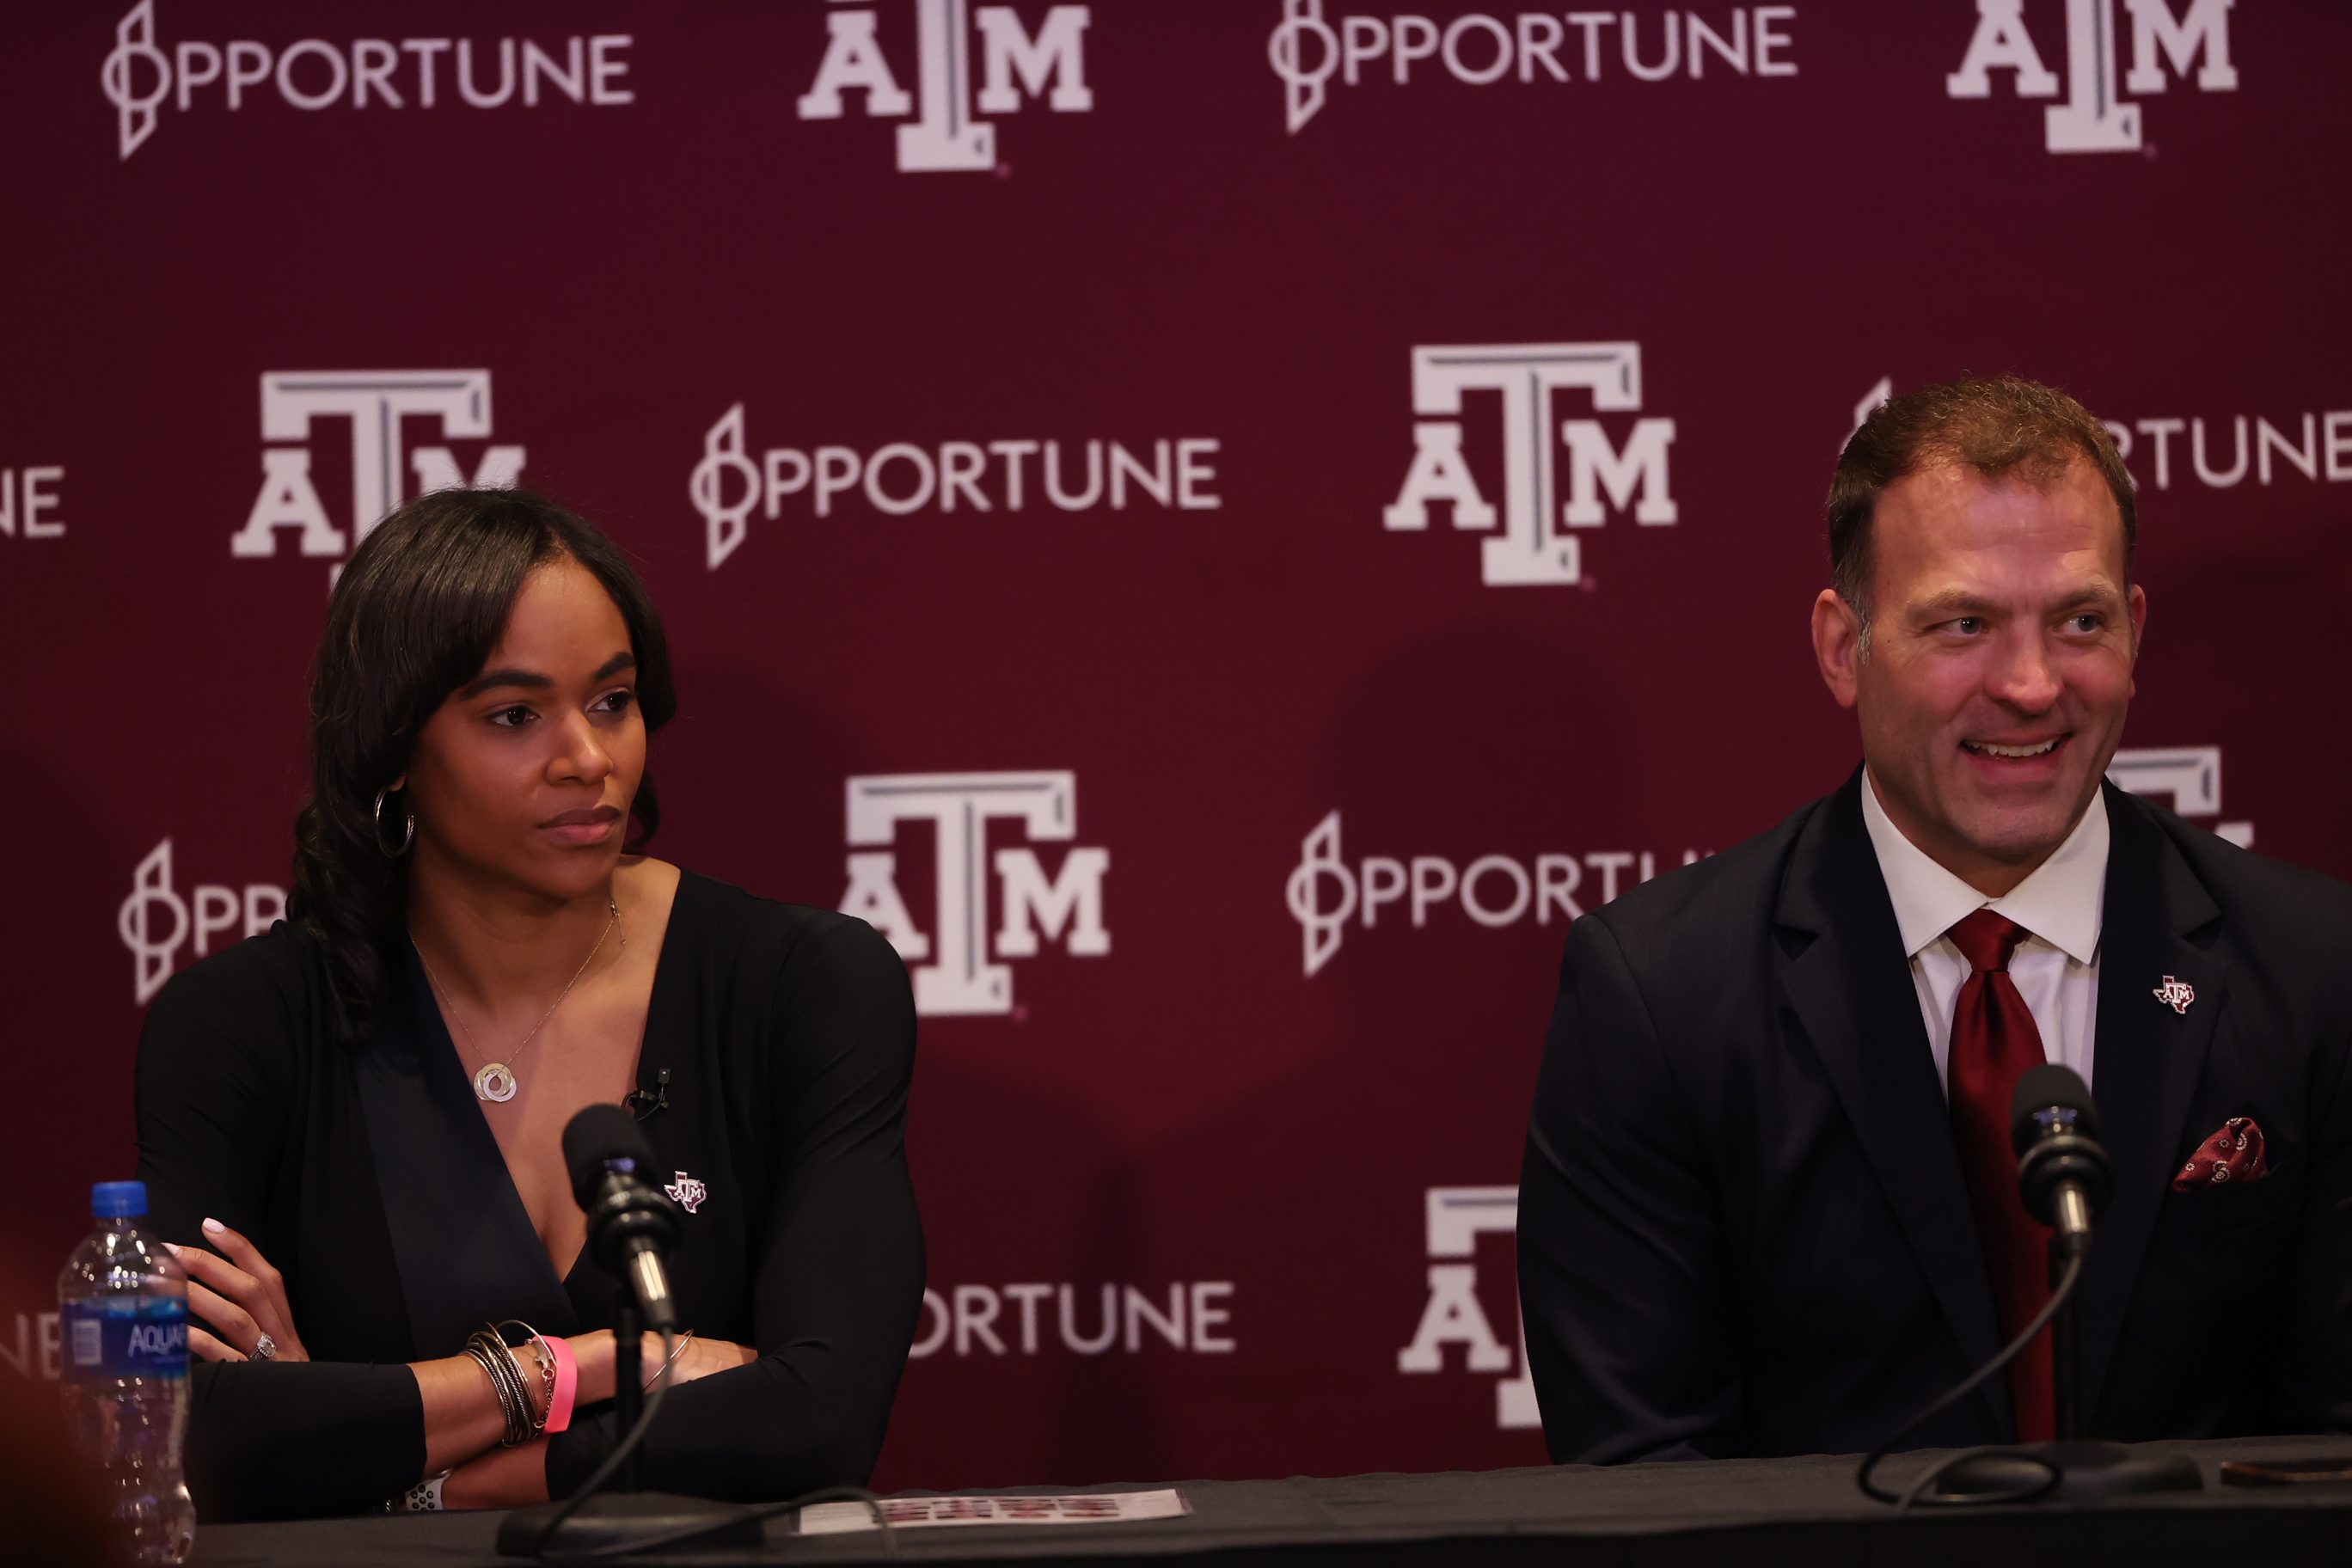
point(2064, 1179)
point(632, 1226)
point(2066, 1386)
point(2087, 1466)
point(2071, 1467)
point(628, 1386)
point(611, 1517)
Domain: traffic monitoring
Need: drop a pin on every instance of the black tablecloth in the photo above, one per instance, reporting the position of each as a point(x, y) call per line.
point(1724, 1511)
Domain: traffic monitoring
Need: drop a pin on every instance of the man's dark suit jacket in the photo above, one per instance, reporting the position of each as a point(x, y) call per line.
point(1742, 1225)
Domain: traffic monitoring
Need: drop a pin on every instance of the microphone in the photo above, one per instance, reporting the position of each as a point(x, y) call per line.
point(2061, 1171)
point(632, 1223)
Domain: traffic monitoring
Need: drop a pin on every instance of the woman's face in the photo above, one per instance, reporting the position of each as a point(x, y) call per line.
point(526, 774)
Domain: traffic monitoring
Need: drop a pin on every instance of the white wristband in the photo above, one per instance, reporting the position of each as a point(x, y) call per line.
point(425, 1497)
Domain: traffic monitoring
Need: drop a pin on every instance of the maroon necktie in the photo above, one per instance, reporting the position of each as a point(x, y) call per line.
point(1994, 1041)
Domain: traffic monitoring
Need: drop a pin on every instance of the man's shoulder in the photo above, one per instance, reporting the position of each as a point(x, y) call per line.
point(1731, 893)
point(2271, 905)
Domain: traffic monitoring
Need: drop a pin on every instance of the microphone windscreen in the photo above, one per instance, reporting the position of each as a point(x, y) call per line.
point(596, 1139)
point(2042, 1088)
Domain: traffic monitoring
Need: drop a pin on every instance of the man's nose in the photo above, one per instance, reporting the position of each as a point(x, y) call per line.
point(2025, 677)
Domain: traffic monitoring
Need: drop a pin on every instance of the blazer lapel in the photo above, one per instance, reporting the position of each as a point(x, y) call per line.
point(1851, 988)
point(2147, 1056)
point(461, 1238)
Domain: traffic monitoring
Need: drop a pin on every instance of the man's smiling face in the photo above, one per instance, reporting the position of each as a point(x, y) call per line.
point(2001, 638)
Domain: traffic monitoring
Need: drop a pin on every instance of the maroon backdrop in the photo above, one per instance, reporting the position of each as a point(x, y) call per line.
point(1420, 423)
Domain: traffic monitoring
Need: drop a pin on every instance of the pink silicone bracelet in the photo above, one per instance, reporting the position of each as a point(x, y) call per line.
point(567, 1386)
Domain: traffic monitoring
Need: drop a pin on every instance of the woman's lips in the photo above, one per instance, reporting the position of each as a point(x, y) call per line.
point(582, 829)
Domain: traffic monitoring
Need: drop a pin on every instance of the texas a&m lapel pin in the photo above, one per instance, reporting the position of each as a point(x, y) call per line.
point(687, 1192)
point(2176, 993)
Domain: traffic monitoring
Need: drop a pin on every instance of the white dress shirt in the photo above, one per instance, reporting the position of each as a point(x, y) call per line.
point(2055, 968)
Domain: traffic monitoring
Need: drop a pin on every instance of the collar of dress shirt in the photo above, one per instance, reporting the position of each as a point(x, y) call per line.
point(2060, 903)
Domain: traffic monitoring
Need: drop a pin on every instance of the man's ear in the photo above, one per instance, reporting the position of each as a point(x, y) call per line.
point(2139, 602)
point(1837, 645)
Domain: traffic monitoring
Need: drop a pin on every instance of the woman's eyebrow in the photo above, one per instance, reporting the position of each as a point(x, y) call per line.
point(491, 678)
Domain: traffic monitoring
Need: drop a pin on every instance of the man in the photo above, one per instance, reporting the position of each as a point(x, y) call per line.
point(1769, 1205)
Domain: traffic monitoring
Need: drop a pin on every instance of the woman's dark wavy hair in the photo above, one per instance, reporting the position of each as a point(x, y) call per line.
point(414, 617)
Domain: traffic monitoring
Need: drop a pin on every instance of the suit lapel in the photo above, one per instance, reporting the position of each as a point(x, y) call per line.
point(1851, 988)
point(2146, 1057)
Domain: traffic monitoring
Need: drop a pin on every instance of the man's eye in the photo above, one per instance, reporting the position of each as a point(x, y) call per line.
point(512, 718)
point(1968, 626)
point(2082, 626)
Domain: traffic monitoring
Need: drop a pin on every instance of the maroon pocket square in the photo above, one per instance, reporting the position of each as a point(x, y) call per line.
point(2230, 1158)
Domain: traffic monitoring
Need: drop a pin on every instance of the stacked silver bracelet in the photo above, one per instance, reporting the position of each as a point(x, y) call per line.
point(545, 1360)
point(526, 1418)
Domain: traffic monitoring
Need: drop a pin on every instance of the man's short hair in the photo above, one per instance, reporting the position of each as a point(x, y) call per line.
point(2001, 427)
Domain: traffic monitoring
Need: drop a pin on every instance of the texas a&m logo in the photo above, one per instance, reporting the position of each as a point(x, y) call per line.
point(959, 977)
point(1453, 1219)
point(2190, 775)
point(378, 404)
point(686, 1192)
point(946, 136)
point(1531, 547)
point(2094, 119)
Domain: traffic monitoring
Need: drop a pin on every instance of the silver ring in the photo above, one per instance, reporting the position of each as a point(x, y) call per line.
point(265, 1349)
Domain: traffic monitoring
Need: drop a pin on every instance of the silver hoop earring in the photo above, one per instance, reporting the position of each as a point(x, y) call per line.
point(406, 840)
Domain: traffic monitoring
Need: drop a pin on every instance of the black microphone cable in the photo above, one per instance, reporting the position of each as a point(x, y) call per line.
point(600, 1143)
point(750, 1513)
point(621, 1450)
point(1919, 1492)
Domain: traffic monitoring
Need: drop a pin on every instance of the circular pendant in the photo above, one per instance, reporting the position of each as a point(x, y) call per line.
point(495, 1082)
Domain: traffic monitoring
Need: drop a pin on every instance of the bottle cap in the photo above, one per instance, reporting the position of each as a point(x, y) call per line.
point(117, 1200)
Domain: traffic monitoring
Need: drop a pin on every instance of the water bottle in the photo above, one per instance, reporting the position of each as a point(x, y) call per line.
point(125, 1303)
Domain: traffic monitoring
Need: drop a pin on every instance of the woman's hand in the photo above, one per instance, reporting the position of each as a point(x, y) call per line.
point(463, 1430)
point(698, 1358)
point(241, 1296)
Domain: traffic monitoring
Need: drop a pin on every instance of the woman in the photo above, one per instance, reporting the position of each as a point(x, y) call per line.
point(360, 1112)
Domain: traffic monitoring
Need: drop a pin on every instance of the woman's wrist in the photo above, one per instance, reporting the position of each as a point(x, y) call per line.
point(462, 1413)
point(594, 1353)
point(564, 1391)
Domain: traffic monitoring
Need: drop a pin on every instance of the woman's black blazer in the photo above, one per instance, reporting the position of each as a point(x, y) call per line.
point(779, 1040)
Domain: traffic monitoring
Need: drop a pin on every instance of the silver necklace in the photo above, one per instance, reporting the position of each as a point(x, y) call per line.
point(496, 1081)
